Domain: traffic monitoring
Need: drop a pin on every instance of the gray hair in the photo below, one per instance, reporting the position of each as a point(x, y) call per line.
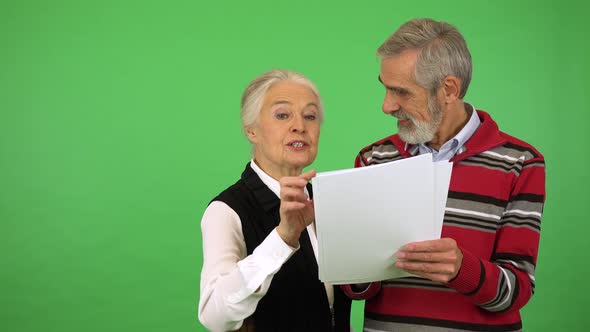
point(253, 96)
point(442, 52)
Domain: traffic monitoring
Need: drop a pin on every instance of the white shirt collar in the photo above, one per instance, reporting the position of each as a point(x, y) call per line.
point(271, 183)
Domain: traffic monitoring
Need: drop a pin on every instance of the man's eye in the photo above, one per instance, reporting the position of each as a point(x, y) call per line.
point(399, 92)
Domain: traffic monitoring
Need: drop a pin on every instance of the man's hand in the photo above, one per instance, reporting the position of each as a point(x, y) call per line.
point(437, 260)
point(296, 210)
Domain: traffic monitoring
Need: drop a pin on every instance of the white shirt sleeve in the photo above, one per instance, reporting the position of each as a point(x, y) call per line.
point(231, 283)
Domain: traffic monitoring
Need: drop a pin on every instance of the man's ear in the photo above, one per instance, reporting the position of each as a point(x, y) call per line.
point(451, 89)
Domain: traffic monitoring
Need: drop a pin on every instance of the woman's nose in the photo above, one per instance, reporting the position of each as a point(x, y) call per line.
point(298, 124)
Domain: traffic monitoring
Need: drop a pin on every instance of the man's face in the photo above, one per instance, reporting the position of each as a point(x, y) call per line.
point(419, 114)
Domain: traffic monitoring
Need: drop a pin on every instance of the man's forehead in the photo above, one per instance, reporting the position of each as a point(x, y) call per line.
point(396, 79)
point(402, 63)
point(399, 69)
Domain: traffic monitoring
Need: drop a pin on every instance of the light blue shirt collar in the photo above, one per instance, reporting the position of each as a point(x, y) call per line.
point(455, 145)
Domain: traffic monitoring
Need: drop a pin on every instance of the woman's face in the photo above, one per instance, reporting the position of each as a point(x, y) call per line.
point(287, 131)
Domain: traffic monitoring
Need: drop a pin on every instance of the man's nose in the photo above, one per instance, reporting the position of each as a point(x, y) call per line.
point(390, 104)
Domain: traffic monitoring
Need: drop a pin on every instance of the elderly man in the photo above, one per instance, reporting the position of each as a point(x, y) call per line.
point(482, 270)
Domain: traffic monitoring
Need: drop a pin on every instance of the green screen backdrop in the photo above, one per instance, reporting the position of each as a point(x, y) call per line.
point(119, 121)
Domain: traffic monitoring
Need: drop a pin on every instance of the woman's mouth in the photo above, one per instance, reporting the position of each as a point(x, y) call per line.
point(297, 144)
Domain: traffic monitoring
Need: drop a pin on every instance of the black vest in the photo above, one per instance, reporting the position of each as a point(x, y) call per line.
point(296, 299)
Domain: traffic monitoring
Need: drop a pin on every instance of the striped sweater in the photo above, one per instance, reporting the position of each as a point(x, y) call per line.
point(493, 211)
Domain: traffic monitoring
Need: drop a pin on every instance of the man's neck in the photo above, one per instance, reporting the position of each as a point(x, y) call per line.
point(454, 119)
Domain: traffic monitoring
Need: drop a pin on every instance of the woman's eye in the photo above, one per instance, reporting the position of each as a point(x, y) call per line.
point(310, 117)
point(281, 116)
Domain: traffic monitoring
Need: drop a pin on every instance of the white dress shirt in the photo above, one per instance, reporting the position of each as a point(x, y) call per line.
point(231, 282)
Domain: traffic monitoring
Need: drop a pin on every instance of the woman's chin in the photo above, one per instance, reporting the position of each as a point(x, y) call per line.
point(300, 163)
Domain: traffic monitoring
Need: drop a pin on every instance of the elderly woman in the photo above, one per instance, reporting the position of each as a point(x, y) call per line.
point(260, 268)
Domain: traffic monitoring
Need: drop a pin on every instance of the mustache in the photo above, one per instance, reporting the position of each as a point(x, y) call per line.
point(401, 115)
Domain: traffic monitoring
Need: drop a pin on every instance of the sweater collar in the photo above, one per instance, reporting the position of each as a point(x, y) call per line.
point(486, 137)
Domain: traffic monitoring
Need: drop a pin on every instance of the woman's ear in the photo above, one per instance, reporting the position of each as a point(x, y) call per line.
point(251, 134)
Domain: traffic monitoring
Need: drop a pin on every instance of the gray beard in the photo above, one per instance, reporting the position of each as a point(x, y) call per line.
point(422, 132)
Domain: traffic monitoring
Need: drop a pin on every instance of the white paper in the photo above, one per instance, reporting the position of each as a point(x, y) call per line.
point(364, 215)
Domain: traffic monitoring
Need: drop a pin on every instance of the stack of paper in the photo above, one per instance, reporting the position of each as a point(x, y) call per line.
point(364, 215)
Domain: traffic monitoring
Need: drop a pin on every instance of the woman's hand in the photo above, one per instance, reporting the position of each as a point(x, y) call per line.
point(296, 209)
